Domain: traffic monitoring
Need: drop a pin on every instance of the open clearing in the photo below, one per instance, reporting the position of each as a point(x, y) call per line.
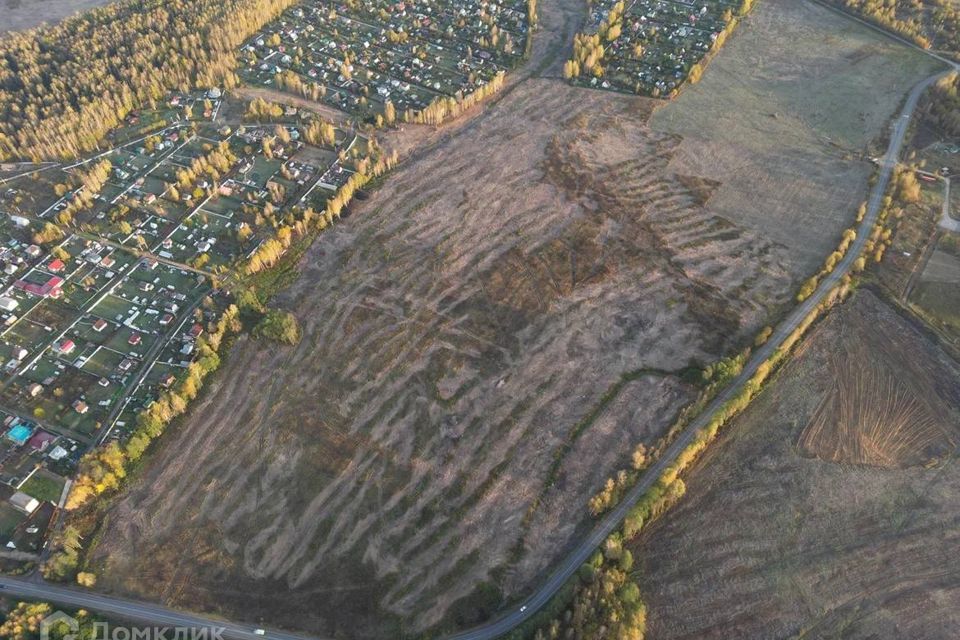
point(797, 524)
point(434, 429)
point(26, 14)
point(785, 129)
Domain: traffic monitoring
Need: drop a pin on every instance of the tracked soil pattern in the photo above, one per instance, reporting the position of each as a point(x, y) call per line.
point(878, 417)
point(436, 427)
point(457, 328)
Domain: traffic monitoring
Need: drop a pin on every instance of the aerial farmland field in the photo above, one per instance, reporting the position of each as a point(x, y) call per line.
point(474, 364)
point(841, 517)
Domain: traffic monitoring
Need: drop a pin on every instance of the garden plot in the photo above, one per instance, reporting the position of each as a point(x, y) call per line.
point(103, 363)
point(165, 173)
point(263, 170)
point(131, 342)
point(209, 241)
point(936, 291)
point(115, 308)
point(50, 316)
point(186, 153)
point(225, 206)
point(44, 486)
point(86, 284)
point(317, 158)
point(10, 520)
point(94, 329)
point(163, 374)
point(26, 333)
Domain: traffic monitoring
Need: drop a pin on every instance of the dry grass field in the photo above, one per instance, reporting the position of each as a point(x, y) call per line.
point(436, 427)
point(25, 14)
point(784, 121)
point(805, 524)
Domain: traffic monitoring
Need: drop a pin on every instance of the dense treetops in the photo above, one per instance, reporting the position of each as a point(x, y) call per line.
point(64, 86)
point(930, 23)
point(944, 105)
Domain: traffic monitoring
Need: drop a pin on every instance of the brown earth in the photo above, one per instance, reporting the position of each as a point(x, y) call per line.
point(433, 429)
point(771, 542)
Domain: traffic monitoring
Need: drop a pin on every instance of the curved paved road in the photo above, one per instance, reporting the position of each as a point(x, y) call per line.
point(158, 615)
point(132, 610)
point(613, 519)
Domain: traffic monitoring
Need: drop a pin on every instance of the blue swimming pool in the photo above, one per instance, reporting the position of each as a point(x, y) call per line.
point(19, 433)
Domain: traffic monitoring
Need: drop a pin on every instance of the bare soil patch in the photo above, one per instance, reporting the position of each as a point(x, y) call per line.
point(770, 542)
point(877, 415)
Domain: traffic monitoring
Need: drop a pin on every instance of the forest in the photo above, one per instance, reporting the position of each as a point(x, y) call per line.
point(932, 24)
point(63, 87)
point(943, 108)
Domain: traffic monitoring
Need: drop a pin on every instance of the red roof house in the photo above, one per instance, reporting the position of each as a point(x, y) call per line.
point(50, 288)
point(66, 346)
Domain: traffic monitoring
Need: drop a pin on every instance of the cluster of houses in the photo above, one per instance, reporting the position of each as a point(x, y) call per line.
point(33, 463)
point(179, 107)
point(670, 35)
point(91, 333)
point(17, 258)
point(406, 52)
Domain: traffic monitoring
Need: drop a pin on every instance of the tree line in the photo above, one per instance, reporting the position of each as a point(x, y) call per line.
point(942, 108)
point(928, 23)
point(23, 622)
point(445, 108)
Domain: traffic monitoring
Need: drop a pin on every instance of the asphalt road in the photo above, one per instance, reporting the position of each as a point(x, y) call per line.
point(611, 522)
point(141, 612)
point(159, 615)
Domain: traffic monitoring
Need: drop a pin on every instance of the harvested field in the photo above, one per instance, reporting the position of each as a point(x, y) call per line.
point(819, 549)
point(877, 415)
point(485, 340)
point(943, 267)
